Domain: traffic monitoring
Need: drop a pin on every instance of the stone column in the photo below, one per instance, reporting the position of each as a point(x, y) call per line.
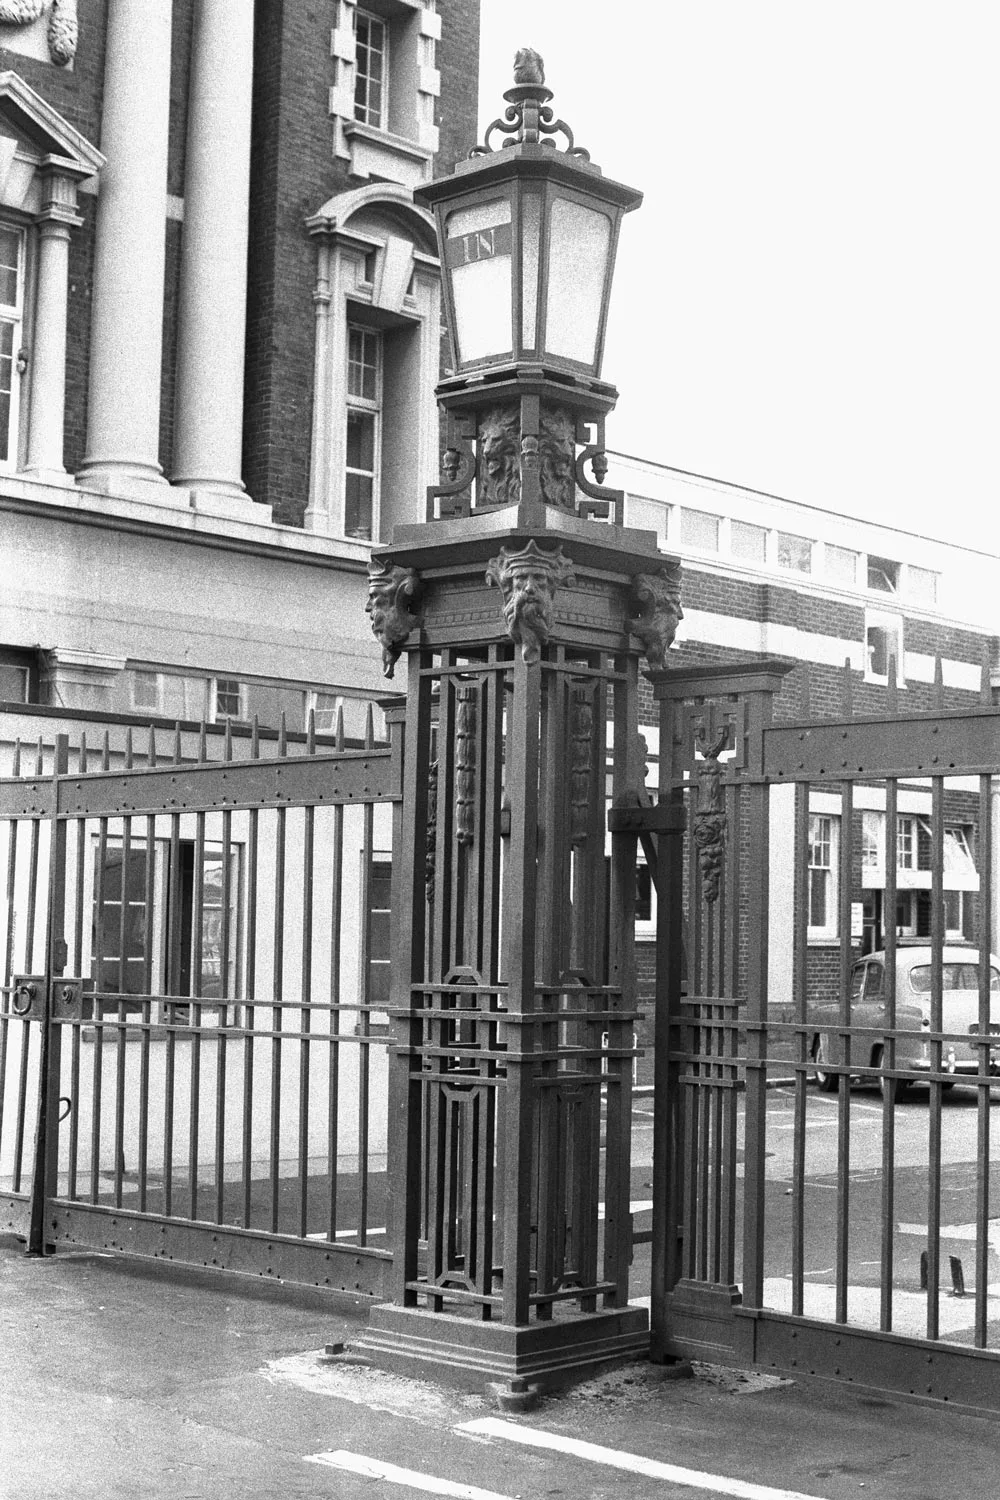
point(127, 317)
point(209, 412)
point(48, 358)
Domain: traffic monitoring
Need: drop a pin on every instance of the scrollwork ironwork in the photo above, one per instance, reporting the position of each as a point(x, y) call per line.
point(392, 591)
point(528, 119)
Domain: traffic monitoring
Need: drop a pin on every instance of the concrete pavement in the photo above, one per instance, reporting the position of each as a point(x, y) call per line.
point(124, 1379)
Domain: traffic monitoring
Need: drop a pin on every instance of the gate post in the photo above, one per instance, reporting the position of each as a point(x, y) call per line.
point(513, 989)
point(46, 1160)
point(712, 878)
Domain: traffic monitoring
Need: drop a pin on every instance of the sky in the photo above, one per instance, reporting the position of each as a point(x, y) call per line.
point(807, 302)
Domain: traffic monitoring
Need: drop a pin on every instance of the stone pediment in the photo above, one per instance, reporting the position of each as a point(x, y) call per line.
point(40, 131)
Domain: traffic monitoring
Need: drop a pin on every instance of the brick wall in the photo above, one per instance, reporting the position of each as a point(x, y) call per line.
point(294, 173)
point(78, 96)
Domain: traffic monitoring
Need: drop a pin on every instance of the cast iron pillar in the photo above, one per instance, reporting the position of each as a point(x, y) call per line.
point(523, 606)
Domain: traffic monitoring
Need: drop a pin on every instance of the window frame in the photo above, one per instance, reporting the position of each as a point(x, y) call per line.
point(217, 717)
point(361, 13)
point(829, 928)
point(313, 696)
point(890, 625)
point(137, 673)
point(15, 315)
point(372, 407)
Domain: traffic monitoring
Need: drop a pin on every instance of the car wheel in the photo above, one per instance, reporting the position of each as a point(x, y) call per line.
point(893, 1089)
point(827, 1083)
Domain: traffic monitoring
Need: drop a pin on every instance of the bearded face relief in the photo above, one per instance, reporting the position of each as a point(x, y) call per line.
point(391, 590)
point(499, 470)
point(528, 581)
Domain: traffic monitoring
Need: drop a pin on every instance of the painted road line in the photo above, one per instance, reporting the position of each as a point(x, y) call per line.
point(631, 1463)
point(375, 1468)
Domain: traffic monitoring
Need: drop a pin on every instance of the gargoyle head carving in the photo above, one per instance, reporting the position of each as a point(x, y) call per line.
point(391, 590)
point(528, 580)
point(656, 598)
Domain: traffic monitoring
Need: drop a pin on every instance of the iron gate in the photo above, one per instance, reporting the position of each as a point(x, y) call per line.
point(826, 1187)
point(193, 1034)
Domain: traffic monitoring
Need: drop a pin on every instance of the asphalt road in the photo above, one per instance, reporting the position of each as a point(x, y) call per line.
point(911, 1186)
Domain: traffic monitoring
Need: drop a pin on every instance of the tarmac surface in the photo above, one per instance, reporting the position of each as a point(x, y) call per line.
point(124, 1379)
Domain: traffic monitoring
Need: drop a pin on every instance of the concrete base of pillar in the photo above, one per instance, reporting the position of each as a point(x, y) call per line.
point(49, 476)
point(471, 1355)
point(124, 486)
point(233, 504)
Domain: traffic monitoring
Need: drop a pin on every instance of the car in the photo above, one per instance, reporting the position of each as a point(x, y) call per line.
point(961, 1056)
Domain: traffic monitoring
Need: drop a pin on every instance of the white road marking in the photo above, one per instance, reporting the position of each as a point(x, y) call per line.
point(374, 1468)
point(959, 1232)
point(632, 1463)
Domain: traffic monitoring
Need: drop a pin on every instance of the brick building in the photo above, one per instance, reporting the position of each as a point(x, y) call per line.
point(851, 603)
point(219, 340)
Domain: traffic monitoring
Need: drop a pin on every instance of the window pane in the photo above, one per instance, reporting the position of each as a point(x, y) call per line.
point(922, 585)
point(748, 542)
point(883, 575)
point(362, 364)
point(369, 68)
point(841, 564)
point(794, 552)
point(9, 246)
point(361, 441)
point(817, 897)
point(6, 383)
point(700, 529)
point(227, 698)
point(358, 507)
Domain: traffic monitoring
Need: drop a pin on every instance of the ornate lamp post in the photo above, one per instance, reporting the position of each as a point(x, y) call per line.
point(523, 608)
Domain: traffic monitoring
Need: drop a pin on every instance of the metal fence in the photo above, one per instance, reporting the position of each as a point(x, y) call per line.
point(825, 1168)
point(193, 1034)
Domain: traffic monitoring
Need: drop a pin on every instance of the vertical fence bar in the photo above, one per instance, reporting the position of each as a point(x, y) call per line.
point(77, 1030)
point(333, 1060)
point(844, 894)
point(8, 967)
point(119, 1102)
point(226, 937)
point(308, 880)
point(277, 1002)
point(46, 1162)
point(197, 1011)
point(892, 1092)
point(936, 1059)
point(97, 1086)
point(800, 1046)
point(250, 1012)
point(986, 852)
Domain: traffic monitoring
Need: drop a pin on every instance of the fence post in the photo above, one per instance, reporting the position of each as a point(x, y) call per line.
point(46, 1162)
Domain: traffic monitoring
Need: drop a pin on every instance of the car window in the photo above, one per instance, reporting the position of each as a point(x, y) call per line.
point(857, 980)
point(954, 977)
point(874, 982)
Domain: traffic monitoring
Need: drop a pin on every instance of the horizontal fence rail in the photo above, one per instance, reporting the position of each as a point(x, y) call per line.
point(212, 1001)
point(833, 1061)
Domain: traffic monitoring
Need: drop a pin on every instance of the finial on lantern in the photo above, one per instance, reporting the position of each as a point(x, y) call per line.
point(529, 66)
point(528, 119)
